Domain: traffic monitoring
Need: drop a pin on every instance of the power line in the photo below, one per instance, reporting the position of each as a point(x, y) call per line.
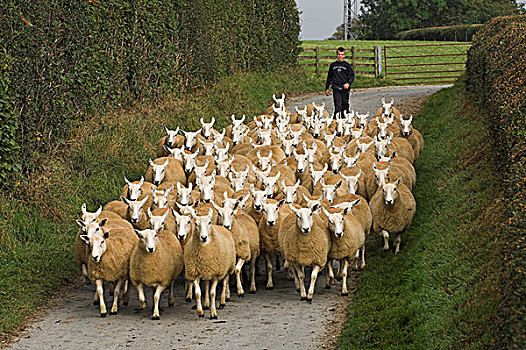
point(350, 18)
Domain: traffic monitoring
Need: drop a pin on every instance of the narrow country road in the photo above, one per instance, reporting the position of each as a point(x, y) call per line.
point(269, 319)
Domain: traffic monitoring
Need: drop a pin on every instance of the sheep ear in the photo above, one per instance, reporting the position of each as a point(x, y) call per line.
point(327, 214)
point(280, 203)
point(399, 181)
point(103, 222)
point(149, 213)
point(125, 200)
point(83, 208)
point(316, 207)
point(138, 233)
point(106, 235)
point(85, 238)
point(81, 223)
point(99, 211)
point(339, 184)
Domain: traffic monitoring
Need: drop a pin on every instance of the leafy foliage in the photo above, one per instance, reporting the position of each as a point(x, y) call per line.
point(496, 80)
point(72, 58)
point(382, 19)
point(447, 33)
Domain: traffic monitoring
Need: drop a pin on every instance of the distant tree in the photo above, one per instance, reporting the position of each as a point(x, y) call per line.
point(338, 35)
point(382, 19)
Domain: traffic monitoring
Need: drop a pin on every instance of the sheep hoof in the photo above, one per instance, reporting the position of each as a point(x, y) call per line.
point(227, 299)
point(270, 287)
point(344, 294)
point(303, 298)
point(96, 302)
point(241, 295)
point(309, 301)
point(221, 306)
point(338, 278)
point(297, 290)
point(171, 304)
point(194, 307)
point(327, 287)
point(251, 292)
point(104, 314)
point(201, 316)
point(213, 317)
point(156, 318)
point(113, 313)
point(188, 300)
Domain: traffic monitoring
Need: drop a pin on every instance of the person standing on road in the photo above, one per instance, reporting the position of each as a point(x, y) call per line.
point(340, 76)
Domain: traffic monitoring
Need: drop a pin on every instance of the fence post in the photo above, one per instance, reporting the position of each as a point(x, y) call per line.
point(353, 58)
point(379, 50)
point(385, 63)
point(317, 60)
point(375, 62)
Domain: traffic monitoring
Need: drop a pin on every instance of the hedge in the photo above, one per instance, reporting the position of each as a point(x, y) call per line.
point(448, 33)
point(72, 58)
point(496, 80)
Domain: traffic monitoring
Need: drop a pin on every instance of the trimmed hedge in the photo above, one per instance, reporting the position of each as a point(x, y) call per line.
point(496, 80)
point(72, 58)
point(448, 33)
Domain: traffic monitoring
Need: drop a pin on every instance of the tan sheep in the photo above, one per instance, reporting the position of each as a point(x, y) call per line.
point(156, 261)
point(393, 209)
point(413, 136)
point(209, 255)
point(165, 169)
point(305, 241)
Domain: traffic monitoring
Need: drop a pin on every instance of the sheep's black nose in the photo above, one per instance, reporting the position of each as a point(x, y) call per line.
point(271, 223)
point(150, 250)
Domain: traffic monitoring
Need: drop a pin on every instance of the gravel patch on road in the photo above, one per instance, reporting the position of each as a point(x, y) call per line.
point(269, 319)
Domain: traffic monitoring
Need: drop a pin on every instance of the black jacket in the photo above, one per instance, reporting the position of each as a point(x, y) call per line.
point(339, 74)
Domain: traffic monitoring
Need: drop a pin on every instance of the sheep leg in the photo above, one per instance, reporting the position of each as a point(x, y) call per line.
point(197, 289)
point(189, 291)
point(96, 298)
point(142, 298)
point(126, 293)
point(363, 256)
point(239, 265)
point(206, 304)
point(227, 295)
point(252, 289)
point(301, 277)
point(313, 277)
point(339, 274)
point(270, 284)
point(290, 272)
point(222, 301)
point(344, 275)
point(116, 292)
point(171, 301)
point(278, 262)
point(213, 310)
point(156, 297)
point(386, 239)
point(398, 240)
point(85, 274)
point(100, 293)
point(330, 275)
point(356, 258)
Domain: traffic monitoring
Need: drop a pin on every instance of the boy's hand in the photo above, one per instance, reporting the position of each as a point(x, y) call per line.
point(327, 92)
point(346, 86)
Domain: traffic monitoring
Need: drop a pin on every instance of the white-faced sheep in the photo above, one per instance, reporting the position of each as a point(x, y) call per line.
point(170, 140)
point(209, 255)
point(412, 135)
point(110, 260)
point(347, 239)
point(393, 209)
point(165, 169)
point(305, 241)
point(156, 261)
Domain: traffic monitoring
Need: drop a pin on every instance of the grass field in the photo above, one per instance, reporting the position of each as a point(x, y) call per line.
point(452, 59)
point(442, 291)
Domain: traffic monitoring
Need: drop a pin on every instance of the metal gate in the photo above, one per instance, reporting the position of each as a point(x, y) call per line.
point(425, 63)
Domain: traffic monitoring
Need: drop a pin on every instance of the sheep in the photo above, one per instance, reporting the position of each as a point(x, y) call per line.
point(165, 169)
point(273, 214)
point(156, 261)
point(237, 124)
point(118, 207)
point(305, 241)
point(383, 171)
point(190, 140)
point(98, 215)
point(161, 218)
point(135, 213)
point(186, 196)
point(292, 194)
point(400, 167)
point(399, 144)
point(137, 189)
point(355, 179)
point(209, 255)
point(163, 198)
point(387, 109)
point(393, 209)
point(206, 128)
point(110, 259)
point(171, 140)
point(412, 135)
point(244, 229)
point(347, 239)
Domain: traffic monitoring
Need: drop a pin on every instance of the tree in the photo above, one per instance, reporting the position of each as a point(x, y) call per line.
point(384, 18)
point(338, 35)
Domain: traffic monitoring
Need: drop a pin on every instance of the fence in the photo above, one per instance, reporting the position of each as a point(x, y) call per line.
point(363, 61)
point(425, 63)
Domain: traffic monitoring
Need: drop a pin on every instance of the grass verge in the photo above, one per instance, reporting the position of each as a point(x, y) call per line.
point(37, 217)
point(442, 290)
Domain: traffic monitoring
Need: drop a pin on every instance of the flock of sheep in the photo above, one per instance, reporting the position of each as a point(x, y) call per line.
point(304, 187)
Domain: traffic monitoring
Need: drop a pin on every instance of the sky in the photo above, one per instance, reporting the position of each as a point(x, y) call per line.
point(319, 18)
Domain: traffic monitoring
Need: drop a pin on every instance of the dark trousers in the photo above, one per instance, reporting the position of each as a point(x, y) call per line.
point(341, 100)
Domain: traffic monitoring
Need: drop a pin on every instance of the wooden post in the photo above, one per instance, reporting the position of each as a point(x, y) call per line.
point(375, 62)
point(317, 60)
point(353, 58)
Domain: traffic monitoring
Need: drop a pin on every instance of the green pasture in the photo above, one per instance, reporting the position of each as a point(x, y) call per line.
point(452, 59)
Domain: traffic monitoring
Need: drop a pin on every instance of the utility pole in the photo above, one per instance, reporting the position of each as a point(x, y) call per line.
point(350, 18)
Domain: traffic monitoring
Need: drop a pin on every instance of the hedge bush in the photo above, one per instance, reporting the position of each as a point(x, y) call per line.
point(496, 80)
point(71, 58)
point(463, 32)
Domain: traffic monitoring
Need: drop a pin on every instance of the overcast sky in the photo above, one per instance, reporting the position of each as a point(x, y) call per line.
point(319, 18)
